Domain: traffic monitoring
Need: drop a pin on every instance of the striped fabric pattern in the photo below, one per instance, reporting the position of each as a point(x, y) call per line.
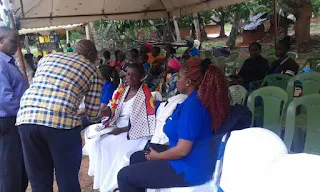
point(60, 83)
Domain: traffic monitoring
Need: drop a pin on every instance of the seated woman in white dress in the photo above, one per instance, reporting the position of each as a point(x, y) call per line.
point(132, 116)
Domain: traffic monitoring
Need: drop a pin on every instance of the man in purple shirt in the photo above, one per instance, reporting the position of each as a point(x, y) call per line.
point(12, 86)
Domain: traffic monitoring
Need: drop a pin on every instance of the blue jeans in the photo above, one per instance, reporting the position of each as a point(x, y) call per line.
point(47, 149)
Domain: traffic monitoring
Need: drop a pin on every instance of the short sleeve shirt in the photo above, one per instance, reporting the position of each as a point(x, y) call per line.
point(192, 52)
point(191, 121)
point(107, 92)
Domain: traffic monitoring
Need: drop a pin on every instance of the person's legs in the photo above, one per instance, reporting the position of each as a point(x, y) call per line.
point(12, 172)
point(137, 157)
point(66, 150)
point(149, 175)
point(37, 156)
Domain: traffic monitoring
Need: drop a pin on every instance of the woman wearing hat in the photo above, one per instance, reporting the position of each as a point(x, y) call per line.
point(168, 83)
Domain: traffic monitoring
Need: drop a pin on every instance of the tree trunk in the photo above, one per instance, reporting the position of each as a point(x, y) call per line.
point(231, 43)
point(222, 24)
point(222, 29)
point(177, 30)
point(302, 24)
point(197, 26)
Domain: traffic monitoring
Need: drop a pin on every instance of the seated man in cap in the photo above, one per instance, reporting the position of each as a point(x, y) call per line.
point(191, 51)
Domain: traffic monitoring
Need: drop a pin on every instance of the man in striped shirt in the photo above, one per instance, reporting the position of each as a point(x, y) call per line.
point(48, 123)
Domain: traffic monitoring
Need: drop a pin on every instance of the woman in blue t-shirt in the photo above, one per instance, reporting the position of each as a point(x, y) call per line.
point(111, 82)
point(187, 161)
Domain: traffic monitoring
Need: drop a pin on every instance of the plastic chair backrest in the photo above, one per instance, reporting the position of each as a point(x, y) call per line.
point(312, 105)
point(271, 59)
point(278, 80)
point(230, 68)
point(274, 100)
point(238, 94)
point(313, 62)
point(221, 62)
point(233, 57)
point(293, 55)
point(208, 54)
point(310, 83)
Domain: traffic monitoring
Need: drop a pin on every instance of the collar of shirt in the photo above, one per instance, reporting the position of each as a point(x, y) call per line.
point(6, 58)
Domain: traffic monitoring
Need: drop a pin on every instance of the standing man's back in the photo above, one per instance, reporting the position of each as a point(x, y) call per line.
point(61, 81)
point(48, 123)
point(12, 86)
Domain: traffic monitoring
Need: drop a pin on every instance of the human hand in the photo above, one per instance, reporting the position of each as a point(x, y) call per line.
point(152, 155)
point(116, 131)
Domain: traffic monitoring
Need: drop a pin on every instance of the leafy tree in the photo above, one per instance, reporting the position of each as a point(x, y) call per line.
point(238, 11)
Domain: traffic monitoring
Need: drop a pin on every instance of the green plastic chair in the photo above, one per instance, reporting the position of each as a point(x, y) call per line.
point(271, 59)
point(233, 57)
point(293, 55)
point(202, 54)
point(312, 105)
point(278, 80)
point(254, 85)
point(208, 54)
point(274, 100)
point(310, 83)
point(238, 94)
point(221, 63)
point(314, 62)
point(231, 68)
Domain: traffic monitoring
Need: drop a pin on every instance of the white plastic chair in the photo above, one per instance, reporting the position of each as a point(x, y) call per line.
point(248, 156)
point(221, 63)
point(248, 153)
point(157, 96)
point(238, 94)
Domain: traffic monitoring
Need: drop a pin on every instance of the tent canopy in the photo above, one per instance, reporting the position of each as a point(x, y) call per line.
point(48, 29)
point(46, 13)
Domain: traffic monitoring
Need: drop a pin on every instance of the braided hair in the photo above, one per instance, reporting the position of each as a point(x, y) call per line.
point(213, 88)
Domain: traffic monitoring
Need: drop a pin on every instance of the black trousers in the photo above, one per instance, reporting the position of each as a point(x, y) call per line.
point(145, 174)
point(46, 149)
point(13, 177)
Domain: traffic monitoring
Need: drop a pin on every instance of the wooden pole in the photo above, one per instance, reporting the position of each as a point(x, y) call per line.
point(89, 34)
point(21, 61)
point(276, 32)
point(67, 36)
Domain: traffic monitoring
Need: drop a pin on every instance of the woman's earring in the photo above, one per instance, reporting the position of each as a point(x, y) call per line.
point(187, 85)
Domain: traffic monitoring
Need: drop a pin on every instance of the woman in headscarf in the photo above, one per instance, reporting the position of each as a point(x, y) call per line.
point(132, 118)
point(187, 162)
point(168, 84)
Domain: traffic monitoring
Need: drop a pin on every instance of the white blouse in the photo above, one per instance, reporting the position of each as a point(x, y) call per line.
point(123, 120)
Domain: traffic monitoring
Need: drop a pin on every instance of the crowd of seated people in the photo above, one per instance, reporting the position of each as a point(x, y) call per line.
point(257, 67)
point(201, 82)
point(137, 144)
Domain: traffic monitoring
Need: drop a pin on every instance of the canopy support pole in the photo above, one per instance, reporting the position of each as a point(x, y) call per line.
point(276, 32)
point(67, 36)
point(21, 61)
